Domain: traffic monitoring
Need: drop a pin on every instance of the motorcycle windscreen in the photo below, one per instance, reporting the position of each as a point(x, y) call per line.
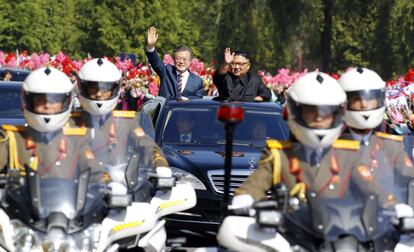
point(361, 212)
point(46, 192)
point(127, 160)
point(58, 195)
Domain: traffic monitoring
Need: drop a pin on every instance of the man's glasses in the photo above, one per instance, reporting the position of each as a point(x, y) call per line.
point(181, 59)
point(241, 64)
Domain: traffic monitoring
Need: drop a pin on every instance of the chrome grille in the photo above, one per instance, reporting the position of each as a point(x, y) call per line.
point(216, 178)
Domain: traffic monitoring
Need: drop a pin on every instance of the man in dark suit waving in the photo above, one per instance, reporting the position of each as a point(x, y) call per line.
point(177, 82)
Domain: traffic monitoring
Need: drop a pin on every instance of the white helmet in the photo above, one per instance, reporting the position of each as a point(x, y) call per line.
point(99, 86)
point(362, 87)
point(316, 96)
point(47, 99)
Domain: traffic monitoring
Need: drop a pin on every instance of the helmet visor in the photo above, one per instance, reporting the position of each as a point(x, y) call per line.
point(99, 90)
point(316, 116)
point(47, 103)
point(364, 100)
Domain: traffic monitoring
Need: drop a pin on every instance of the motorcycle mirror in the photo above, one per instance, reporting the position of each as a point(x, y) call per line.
point(406, 225)
point(82, 189)
point(267, 213)
point(165, 183)
point(411, 193)
point(34, 189)
point(161, 183)
point(119, 201)
point(131, 173)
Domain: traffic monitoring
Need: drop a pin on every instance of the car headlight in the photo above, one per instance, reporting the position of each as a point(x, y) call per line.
point(185, 177)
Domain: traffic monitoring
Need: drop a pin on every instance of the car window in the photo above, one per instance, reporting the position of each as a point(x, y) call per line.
point(16, 75)
point(201, 127)
point(10, 102)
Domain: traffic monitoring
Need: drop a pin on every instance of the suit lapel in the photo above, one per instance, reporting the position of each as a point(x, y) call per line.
point(189, 80)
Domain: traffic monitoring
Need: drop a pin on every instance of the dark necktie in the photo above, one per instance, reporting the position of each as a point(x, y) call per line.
point(363, 142)
point(314, 158)
point(180, 84)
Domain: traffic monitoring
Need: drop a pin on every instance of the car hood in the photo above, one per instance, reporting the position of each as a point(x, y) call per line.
point(15, 120)
point(198, 160)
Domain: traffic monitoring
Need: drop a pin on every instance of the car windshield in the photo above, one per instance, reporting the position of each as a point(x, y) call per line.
point(10, 102)
point(199, 126)
point(14, 74)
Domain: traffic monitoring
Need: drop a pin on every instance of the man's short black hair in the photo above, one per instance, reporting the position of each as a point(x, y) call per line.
point(183, 48)
point(242, 53)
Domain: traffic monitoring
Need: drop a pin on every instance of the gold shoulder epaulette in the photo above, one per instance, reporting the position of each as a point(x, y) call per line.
point(124, 113)
point(346, 144)
point(276, 144)
point(389, 136)
point(76, 114)
point(9, 127)
point(74, 131)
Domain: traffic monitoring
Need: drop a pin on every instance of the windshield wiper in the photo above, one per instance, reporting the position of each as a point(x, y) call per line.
point(234, 143)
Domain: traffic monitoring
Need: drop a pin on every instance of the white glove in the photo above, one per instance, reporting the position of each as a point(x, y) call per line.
point(241, 203)
point(403, 210)
point(118, 188)
point(164, 172)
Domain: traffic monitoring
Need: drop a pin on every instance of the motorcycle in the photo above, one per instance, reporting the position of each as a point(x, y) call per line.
point(356, 222)
point(42, 211)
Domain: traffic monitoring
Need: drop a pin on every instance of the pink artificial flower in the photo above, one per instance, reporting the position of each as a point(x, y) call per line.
point(153, 88)
point(168, 59)
point(44, 58)
point(2, 58)
point(60, 57)
point(261, 73)
point(197, 66)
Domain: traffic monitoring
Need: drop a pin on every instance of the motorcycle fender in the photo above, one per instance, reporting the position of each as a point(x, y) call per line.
point(155, 239)
point(7, 231)
point(136, 219)
point(181, 197)
point(242, 234)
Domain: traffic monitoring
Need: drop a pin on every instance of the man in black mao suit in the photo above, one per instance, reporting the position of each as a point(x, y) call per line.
point(234, 82)
point(177, 82)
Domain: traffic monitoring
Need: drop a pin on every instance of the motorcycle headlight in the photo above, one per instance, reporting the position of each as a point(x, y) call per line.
point(25, 239)
point(185, 177)
point(88, 239)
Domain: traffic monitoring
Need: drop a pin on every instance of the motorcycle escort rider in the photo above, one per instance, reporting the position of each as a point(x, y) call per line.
point(114, 135)
point(316, 165)
point(44, 144)
point(365, 110)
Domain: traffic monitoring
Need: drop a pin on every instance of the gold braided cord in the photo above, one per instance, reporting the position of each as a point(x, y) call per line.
point(298, 190)
point(13, 153)
point(276, 166)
